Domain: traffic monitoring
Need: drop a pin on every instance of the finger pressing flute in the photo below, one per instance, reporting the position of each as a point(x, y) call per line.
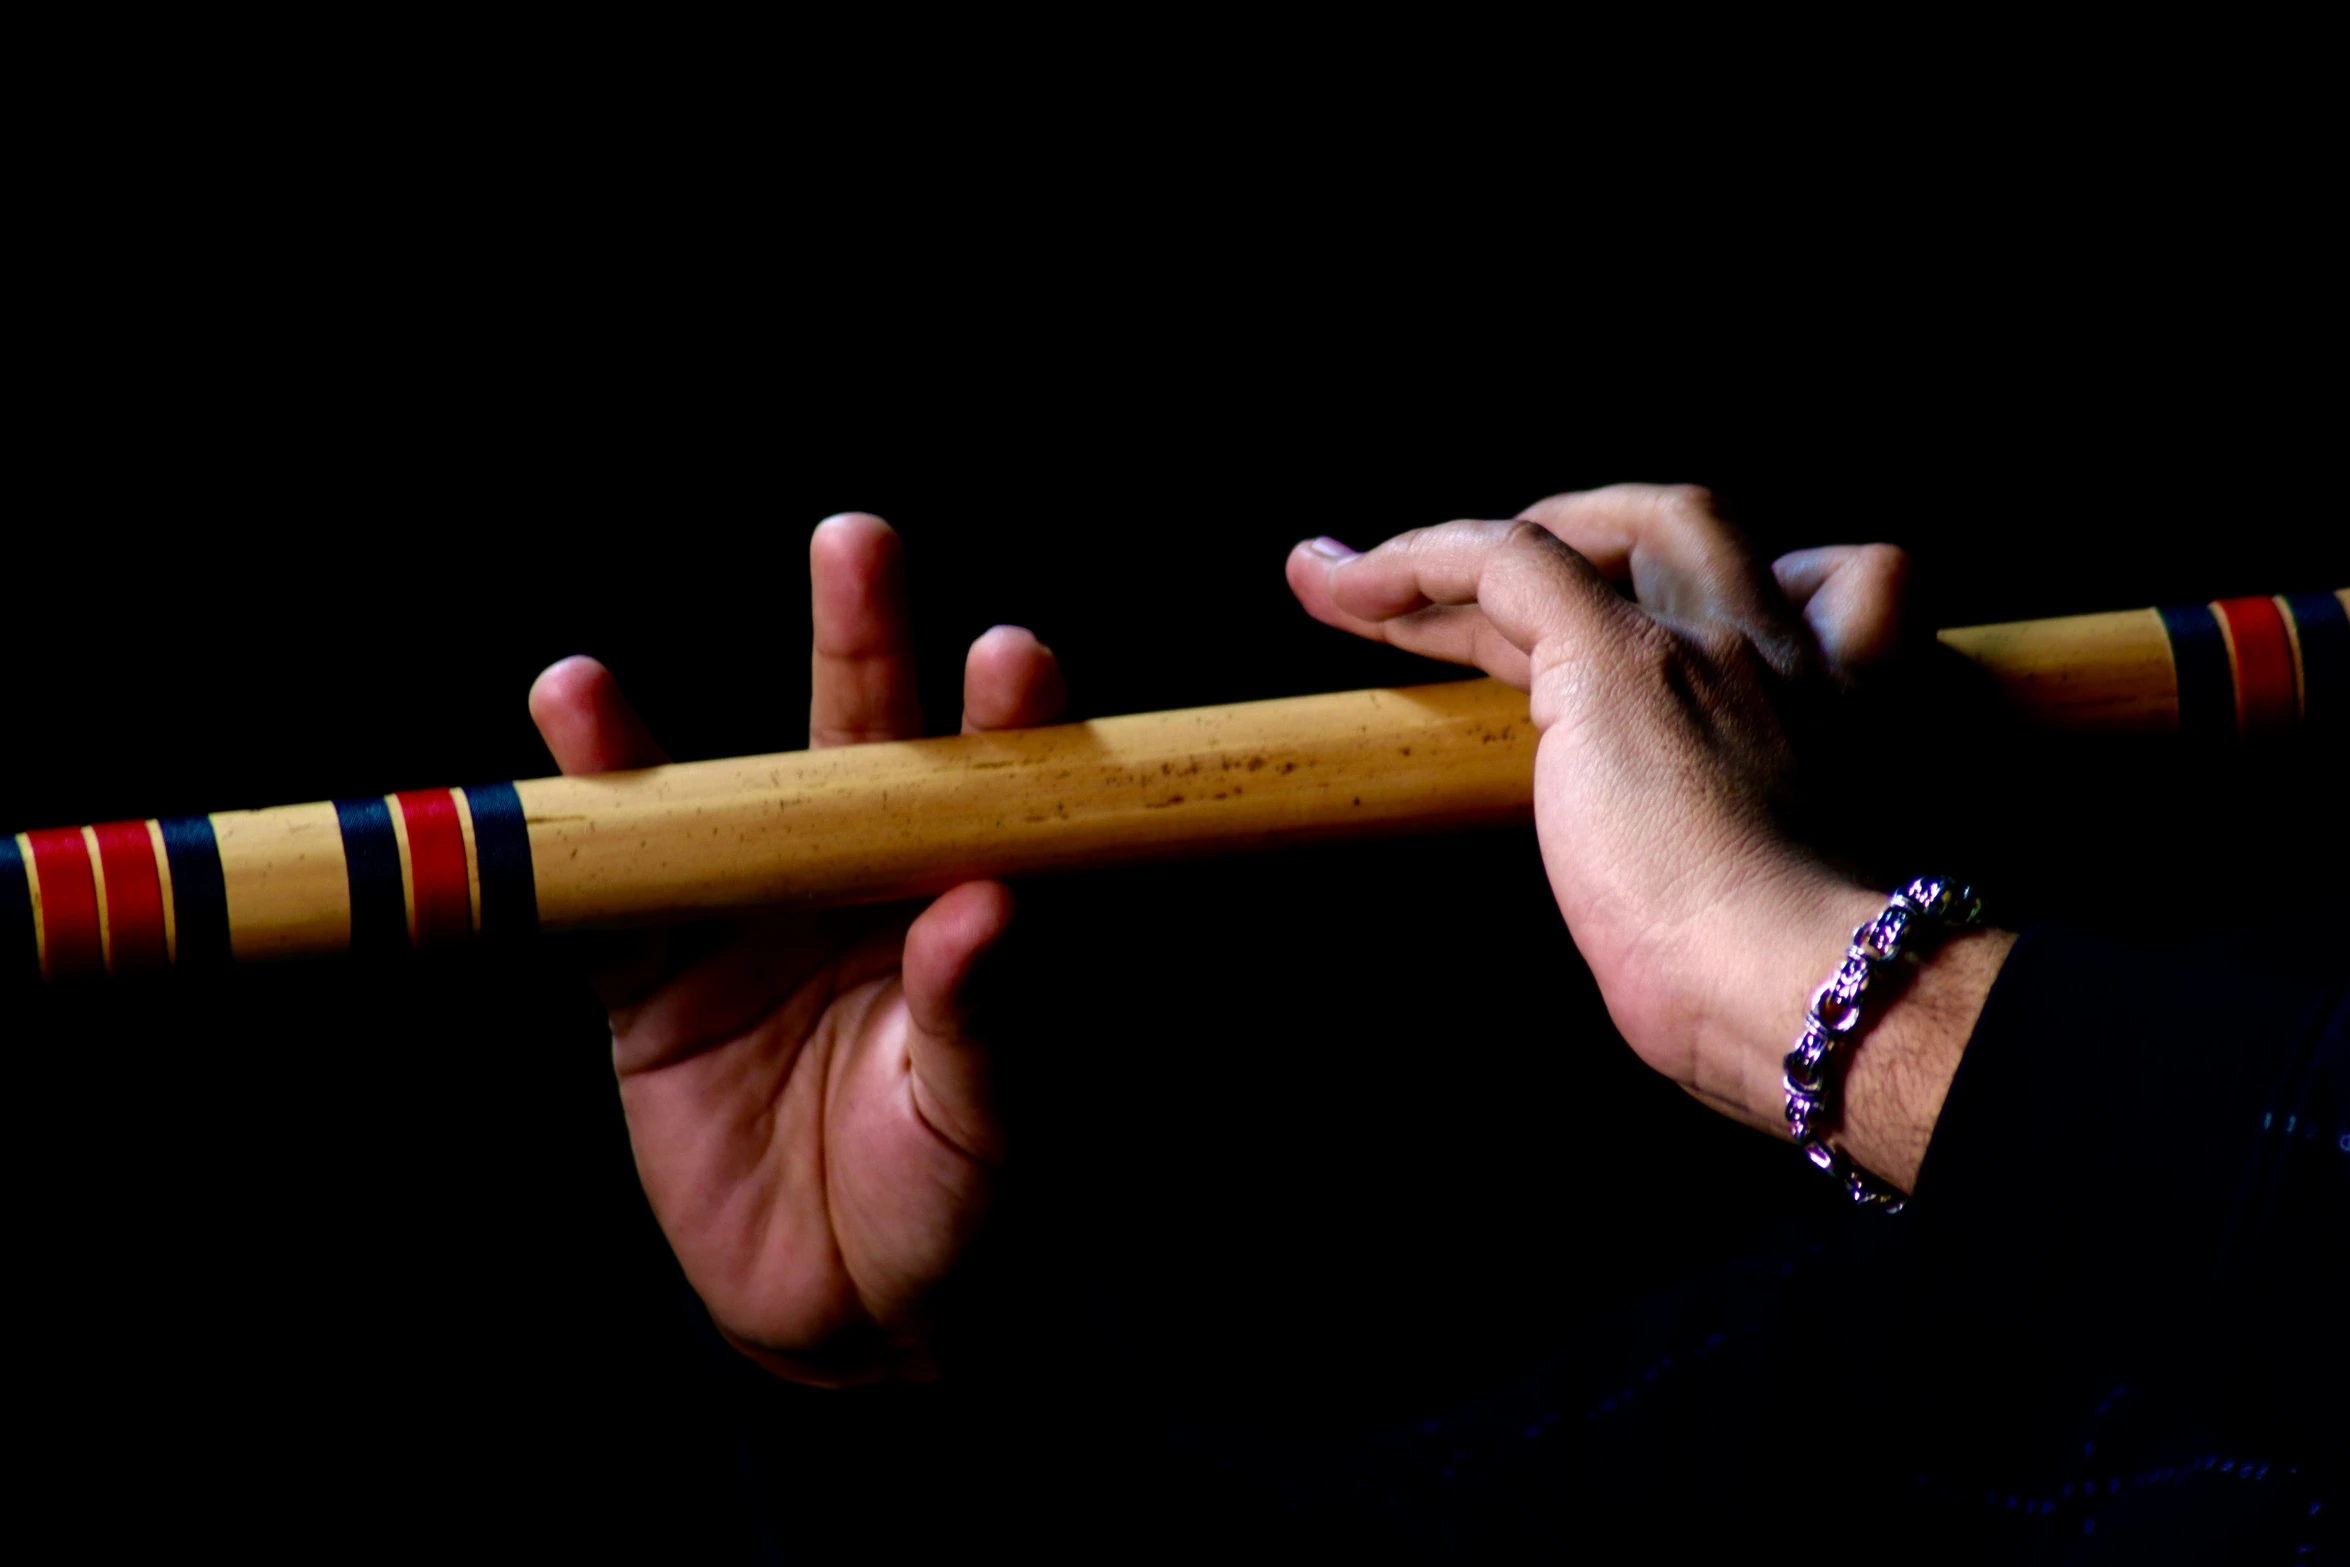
point(904, 819)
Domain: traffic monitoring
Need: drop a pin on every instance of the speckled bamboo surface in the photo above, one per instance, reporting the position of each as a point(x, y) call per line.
point(902, 819)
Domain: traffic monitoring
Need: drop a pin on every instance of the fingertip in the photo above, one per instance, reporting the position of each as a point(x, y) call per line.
point(1309, 572)
point(1890, 563)
point(944, 946)
point(980, 910)
point(1859, 610)
point(854, 521)
point(1006, 661)
point(566, 684)
point(857, 600)
point(960, 924)
point(850, 534)
point(1011, 680)
point(1368, 597)
point(1799, 573)
point(586, 720)
point(1007, 641)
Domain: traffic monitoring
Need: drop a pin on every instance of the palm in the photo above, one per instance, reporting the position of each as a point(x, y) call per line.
point(781, 1143)
point(810, 1113)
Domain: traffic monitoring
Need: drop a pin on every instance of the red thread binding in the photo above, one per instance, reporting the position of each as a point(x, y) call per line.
point(134, 897)
point(2266, 702)
point(436, 866)
point(69, 903)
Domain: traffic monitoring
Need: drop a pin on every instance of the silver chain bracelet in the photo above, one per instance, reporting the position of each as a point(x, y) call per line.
point(1834, 1017)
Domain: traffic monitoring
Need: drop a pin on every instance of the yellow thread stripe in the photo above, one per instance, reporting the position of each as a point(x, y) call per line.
point(98, 883)
point(472, 858)
point(32, 881)
point(171, 931)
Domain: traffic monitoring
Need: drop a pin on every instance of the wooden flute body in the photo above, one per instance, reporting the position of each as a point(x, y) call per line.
point(902, 819)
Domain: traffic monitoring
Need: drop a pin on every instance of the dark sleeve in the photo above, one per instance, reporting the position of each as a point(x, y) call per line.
point(2153, 1149)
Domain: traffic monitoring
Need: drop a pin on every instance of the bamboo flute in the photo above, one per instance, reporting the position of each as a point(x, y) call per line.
point(902, 819)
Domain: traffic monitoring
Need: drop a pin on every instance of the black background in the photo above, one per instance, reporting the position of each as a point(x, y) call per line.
point(318, 464)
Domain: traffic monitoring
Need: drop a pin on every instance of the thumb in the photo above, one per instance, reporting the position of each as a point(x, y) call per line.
point(947, 958)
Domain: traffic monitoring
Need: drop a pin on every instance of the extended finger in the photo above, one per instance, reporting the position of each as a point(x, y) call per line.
point(1509, 587)
point(862, 675)
point(1010, 681)
point(587, 722)
point(1458, 634)
point(1855, 599)
point(1682, 561)
point(591, 727)
point(946, 954)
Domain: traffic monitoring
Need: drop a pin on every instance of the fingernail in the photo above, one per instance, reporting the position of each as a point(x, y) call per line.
point(1023, 631)
point(1330, 549)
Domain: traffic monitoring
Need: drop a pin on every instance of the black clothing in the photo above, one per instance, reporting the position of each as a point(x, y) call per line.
point(2108, 1328)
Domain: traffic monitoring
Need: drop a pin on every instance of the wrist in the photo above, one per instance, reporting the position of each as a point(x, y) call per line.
point(1772, 951)
point(1765, 955)
point(1909, 1048)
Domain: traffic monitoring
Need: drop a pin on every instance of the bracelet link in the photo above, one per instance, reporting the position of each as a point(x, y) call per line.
point(1881, 937)
point(1802, 1064)
point(1835, 1015)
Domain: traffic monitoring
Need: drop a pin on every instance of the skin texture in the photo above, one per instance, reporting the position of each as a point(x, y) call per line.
point(810, 1111)
point(1667, 771)
point(810, 1100)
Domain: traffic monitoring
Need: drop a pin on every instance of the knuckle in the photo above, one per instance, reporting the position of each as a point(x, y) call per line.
point(1666, 499)
point(1519, 533)
point(1888, 561)
point(1527, 554)
point(1553, 505)
point(1737, 669)
point(1654, 648)
point(1690, 499)
point(1725, 647)
point(1687, 513)
point(1459, 528)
